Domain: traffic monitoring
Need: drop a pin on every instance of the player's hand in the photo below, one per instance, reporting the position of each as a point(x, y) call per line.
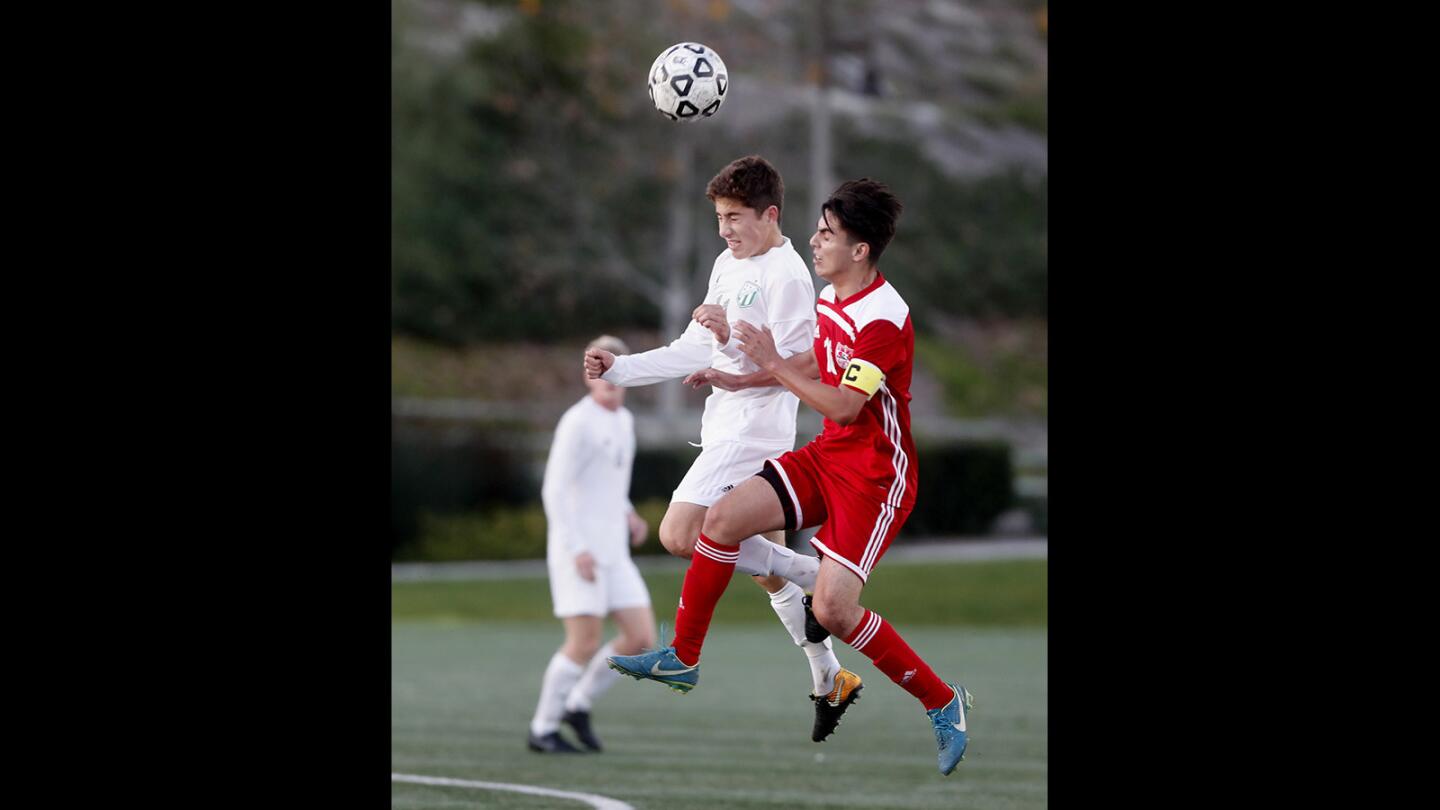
point(585, 564)
point(758, 344)
point(723, 380)
point(638, 530)
point(597, 362)
point(712, 317)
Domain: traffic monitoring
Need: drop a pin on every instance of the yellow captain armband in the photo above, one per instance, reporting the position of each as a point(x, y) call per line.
point(863, 377)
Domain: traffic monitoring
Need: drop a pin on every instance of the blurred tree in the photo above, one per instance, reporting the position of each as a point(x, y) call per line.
point(514, 200)
point(537, 196)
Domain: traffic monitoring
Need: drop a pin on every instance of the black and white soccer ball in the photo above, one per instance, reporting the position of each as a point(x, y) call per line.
point(688, 82)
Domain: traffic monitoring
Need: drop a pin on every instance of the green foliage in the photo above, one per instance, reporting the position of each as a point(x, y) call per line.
point(1029, 110)
point(963, 488)
point(658, 472)
point(497, 533)
point(463, 495)
point(497, 156)
point(468, 492)
point(449, 469)
point(525, 164)
point(970, 249)
point(1038, 507)
point(983, 378)
point(501, 532)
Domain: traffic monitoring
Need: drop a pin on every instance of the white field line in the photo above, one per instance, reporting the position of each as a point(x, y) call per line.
point(598, 802)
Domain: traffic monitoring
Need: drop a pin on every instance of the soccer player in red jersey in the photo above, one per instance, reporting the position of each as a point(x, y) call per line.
point(856, 480)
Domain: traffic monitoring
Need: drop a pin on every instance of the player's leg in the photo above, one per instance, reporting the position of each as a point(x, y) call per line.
point(748, 509)
point(711, 566)
point(637, 632)
point(582, 640)
point(787, 600)
point(680, 527)
point(780, 571)
point(766, 557)
point(837, 607)
point(582, 637)
point(718, 469)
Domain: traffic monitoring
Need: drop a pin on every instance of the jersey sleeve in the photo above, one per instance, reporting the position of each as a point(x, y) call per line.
point(562, 472)
point(793, 322)
point(690, 352)
point(878, 353)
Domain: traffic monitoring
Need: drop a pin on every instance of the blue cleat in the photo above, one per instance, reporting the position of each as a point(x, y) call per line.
point(657, 665)
point(949, 724)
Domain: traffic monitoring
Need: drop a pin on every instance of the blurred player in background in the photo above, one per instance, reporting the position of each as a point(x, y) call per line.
point(759, 277)
point(589, 520)
point(856, 480)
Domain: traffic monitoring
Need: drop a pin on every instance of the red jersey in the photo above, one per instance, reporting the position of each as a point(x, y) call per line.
point(867, 343)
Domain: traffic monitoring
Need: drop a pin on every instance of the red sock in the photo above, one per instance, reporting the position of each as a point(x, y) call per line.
point(710, 570)
point(874, 637)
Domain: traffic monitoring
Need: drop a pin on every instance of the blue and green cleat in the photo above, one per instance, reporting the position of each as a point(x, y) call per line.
point(949, 724)
point(658, 665)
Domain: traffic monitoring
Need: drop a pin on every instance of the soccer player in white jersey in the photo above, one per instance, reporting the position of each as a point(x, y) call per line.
point(761, 279)
point(589, 518)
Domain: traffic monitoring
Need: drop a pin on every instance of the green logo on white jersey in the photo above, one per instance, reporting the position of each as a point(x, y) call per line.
point(748, 293)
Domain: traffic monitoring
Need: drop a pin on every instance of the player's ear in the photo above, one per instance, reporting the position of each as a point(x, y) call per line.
point(772, 214)
point(860, 252)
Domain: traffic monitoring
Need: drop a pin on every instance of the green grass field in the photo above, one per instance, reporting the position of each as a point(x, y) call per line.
point(467, 659)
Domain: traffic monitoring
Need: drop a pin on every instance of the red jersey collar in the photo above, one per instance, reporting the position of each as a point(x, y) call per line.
point(874, 285)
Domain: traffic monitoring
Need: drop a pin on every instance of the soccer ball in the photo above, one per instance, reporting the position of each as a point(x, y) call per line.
point(688, 82)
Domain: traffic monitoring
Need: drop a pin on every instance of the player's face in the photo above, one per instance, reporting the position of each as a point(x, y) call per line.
point(831, 247)
point(607, 394)
point(746, 232)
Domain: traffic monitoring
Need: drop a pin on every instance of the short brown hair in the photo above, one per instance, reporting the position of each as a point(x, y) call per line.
point(867, 210)
point(752, 181)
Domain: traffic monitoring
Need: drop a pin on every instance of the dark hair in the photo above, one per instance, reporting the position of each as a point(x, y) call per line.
point(867, 211)
point(752, 181)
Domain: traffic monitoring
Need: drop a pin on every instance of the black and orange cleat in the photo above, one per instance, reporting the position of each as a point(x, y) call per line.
point(829, 707)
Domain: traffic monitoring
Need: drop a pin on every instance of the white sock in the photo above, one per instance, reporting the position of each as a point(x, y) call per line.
point(597, 678)
point(760, 557)
point(560, 676)
point(823, 663)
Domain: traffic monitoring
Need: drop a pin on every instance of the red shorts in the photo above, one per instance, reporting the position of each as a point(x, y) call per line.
point(855, 530)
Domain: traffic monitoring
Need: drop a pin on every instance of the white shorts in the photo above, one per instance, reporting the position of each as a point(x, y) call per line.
point(616, 586)
point(721, 467)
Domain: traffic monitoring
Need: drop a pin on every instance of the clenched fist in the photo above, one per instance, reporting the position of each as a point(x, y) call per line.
point(597, 362)
point(712, 317)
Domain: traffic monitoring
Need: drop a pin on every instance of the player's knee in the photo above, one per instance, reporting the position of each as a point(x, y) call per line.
point(676, 542)
point(628, 644)
point(581, 648)
point(722, 524)
point(834, 615)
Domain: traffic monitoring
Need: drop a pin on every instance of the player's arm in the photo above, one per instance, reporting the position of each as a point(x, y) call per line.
point(839, 404)
point(803, 363)
point(687, 353)
point(793, 327)
point(638, 528)
point(562, 474)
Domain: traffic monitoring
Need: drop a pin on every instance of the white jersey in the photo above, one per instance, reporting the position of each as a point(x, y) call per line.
point(587, 483)
point(773, 289)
